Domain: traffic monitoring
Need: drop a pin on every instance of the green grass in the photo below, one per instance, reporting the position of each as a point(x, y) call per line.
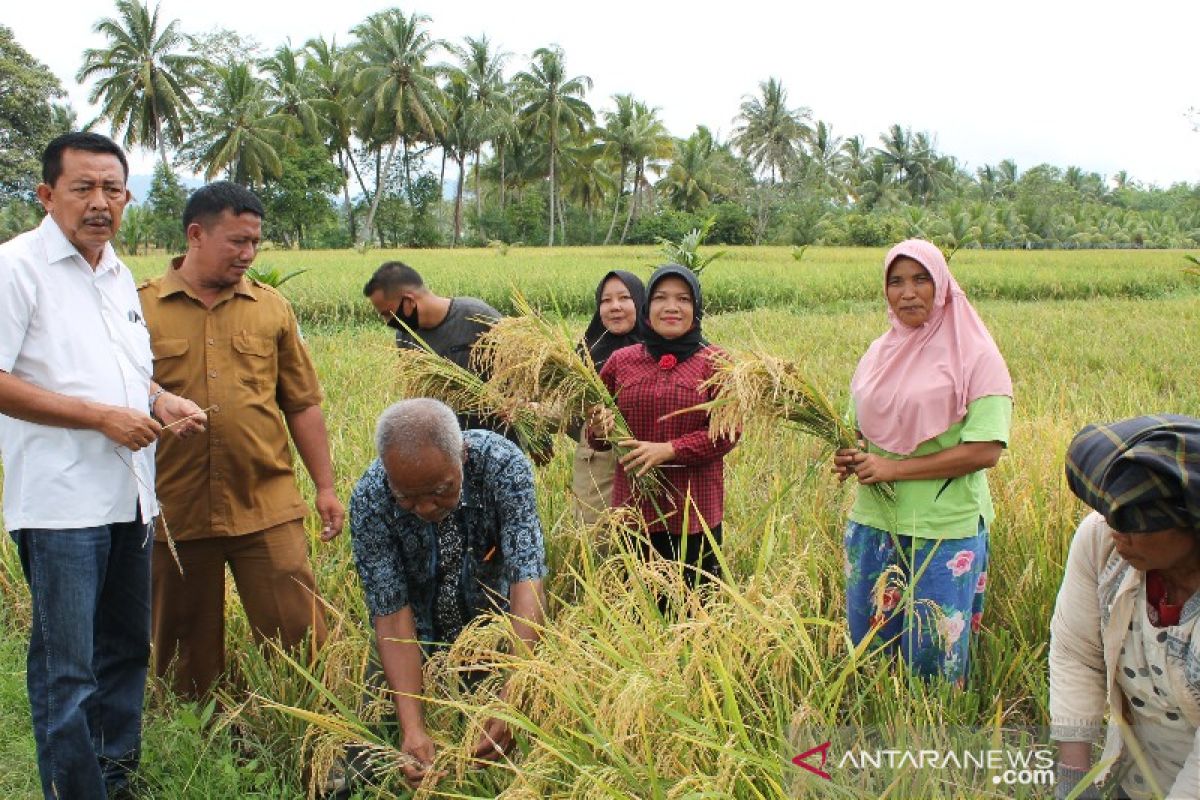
point(621, 703)
point(330, 292)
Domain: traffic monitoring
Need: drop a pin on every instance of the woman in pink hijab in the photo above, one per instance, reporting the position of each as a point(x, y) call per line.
point(932, 401)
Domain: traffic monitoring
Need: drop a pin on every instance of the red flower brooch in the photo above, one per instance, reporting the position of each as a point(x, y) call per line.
point(667, 361)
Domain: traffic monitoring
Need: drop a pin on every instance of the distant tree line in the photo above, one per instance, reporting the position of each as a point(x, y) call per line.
point(357, 143)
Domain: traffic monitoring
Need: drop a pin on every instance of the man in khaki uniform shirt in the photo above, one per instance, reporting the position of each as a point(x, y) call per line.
point(234, 346)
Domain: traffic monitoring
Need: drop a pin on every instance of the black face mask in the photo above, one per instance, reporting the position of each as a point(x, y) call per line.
point(413, 320)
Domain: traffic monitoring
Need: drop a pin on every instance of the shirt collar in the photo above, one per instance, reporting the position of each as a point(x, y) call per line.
point(171, 284)
point(471, 493)
point(59, 247)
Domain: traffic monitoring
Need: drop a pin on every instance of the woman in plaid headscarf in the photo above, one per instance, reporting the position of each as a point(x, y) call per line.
point(1126, 618)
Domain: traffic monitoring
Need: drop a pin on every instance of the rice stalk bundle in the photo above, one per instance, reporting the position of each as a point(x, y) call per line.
point(757, 385)
point(423, 373)
point(538, 363)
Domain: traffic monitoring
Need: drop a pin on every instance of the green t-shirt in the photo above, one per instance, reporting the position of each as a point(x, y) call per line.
point(940, 508)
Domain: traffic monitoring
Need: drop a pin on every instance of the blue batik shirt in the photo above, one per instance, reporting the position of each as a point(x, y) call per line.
point(397, 553)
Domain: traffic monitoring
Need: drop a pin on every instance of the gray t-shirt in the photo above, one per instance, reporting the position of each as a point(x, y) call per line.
point(453, 339)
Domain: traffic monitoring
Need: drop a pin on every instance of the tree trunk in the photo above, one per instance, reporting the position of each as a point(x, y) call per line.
point(158, 137)
point(458, 196)
point(562, 223)
point(407, 176)
point(500, 152)
point(617, 205)
point(346, 195)
point(442, 177)
point(441, 207)
point(478, 197)
point(633, 202)
point(357, 174)
point(552, 148)
point(379, 189)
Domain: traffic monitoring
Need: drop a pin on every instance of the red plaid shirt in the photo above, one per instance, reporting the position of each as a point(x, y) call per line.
point(645, 393)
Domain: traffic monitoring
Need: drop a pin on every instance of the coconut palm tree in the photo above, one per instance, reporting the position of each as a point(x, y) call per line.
point(481, 66)
point(238, 134)
point(687, 184)
point(617, 136)
point(552, 107)
point(331, 69)
point(291, 92)
point(145, 73)
point(649, 145)
point(703, 171)
point(769, 133)
point(586, 179)
point(896, 152)
point(826, 163)
point(462, 136)
point(504, 134)
point(855, 155)
point(397, 88)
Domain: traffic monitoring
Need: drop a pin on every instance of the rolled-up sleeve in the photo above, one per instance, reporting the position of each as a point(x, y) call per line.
point(377, 555)
point(521, 540)
point(1078, 694)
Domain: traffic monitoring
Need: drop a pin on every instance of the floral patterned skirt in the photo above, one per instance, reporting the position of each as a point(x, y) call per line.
point(920, 597)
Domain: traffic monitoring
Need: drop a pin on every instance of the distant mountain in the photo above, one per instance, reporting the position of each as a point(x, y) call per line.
point(139, 185)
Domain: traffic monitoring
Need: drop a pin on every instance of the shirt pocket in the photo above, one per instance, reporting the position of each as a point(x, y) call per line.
point(254, 359)
point(170, 363)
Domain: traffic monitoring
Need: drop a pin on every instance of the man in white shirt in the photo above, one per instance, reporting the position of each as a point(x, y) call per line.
point(79, 415)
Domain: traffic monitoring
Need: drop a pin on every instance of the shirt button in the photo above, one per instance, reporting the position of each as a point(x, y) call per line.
point(212, 374)
point(212, 341)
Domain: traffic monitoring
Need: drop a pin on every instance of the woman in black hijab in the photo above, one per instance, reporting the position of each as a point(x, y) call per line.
point(654, 385)
point(615, 324)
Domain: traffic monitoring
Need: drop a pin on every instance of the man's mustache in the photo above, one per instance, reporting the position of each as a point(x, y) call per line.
point(103, 219)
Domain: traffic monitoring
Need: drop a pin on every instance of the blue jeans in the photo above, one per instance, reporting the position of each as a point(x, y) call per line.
point(89, 649)
point(922, 597)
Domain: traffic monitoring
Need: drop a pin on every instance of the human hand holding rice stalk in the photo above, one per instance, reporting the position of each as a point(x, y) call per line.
point(755, 385)
point(533, 360)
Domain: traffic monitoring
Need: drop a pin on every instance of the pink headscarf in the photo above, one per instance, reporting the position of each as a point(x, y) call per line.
point(914, 383)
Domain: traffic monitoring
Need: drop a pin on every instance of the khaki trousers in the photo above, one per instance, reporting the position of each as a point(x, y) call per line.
point(592, 481)
point(274, 581)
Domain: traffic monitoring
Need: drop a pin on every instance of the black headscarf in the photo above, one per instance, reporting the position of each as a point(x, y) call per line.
point(600, 343)
point(1142, 474)
point(685, 346)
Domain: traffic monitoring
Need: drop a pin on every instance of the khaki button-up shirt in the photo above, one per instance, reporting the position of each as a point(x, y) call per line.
point(245, 358)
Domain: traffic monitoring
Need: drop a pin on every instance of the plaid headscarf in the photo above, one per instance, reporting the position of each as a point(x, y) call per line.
point(1142, 474)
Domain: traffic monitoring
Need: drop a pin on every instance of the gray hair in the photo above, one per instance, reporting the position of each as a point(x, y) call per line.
point(416, 424)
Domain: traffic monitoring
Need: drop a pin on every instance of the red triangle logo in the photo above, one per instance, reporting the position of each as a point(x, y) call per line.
point(802, 760)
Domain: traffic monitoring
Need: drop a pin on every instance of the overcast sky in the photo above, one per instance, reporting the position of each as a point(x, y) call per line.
point(1104, 86)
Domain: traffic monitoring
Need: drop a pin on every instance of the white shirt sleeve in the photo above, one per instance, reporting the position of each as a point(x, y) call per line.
point(1078, 691)
point(17, 304)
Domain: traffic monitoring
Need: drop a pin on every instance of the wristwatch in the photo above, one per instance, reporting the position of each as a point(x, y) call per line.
point(154, 399)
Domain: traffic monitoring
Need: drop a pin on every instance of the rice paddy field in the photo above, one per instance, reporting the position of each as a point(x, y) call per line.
point(619, 701)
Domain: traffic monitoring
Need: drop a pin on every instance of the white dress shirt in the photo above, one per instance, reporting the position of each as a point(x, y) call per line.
point(79, 332)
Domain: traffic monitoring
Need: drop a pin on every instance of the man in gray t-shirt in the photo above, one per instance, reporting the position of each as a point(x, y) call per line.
point(449, 325)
